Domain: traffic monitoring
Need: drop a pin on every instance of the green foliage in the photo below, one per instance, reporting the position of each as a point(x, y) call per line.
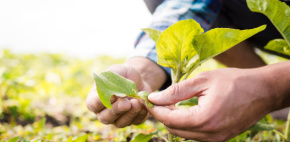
point(278, 45)
point(109, 84)
point(173, 46)
point(183, 46)
point(218, 40)
point(15, 139)
point(82, 138)
point(143, 137)
point(154, 34)
point(279, 14)
point(52, 88)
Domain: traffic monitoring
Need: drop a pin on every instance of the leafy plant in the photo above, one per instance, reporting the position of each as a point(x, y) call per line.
point(279, 14)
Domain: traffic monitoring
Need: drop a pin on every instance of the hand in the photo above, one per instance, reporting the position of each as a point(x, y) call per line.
point(229, 102)
point(125, 111)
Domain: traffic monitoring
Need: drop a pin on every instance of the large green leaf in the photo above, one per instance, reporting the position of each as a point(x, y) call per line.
point(278, 12)
point(109, 84)
point(218, 40)
point(173, 47)
point(154, 34)
point(279, 45)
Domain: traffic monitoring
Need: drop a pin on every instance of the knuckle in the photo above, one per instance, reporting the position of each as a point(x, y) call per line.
point(119, 125)
point(202, 76)
point(103, 120)
point(90, 105)
point(174, 89)
point(168, 123)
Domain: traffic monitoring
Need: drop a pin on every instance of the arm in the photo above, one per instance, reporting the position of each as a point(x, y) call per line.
point(230, 101)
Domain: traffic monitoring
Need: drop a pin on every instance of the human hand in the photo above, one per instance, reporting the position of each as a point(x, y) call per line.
point(229, 102)
point(125, 111)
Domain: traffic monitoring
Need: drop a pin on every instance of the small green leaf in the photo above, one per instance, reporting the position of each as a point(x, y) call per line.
point(15, 139)
point(143, 137)
point(259, 126)
point(70, 139)
point(82, 138)
point(278, 12)
point(278, 45)
point(144, 95)
point(173, 47)
point(109, 84)
point(218, 40)
point(190, 102)
point(154, 34)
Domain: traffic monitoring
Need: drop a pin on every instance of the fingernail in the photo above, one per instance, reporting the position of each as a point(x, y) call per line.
point(154, 96)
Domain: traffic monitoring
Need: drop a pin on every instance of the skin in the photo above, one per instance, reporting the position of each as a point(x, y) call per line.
point(230, 100)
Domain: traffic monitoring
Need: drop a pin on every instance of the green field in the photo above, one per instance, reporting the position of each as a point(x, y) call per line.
point(43, 99)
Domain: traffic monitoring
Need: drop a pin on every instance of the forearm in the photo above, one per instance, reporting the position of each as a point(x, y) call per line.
point(241, 56)
point(150, 72)
point(277, 77)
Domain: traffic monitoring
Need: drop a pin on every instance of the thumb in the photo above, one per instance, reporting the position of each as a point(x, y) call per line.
point(178, 92)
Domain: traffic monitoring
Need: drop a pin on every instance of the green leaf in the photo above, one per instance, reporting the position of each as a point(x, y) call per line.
point(153, 34)
point(109, 84)
point(173, 47)
point(218, 40)
point(15, 139)
point(279, 45)
point(144, 95)
point(82, 138)
point(239, 138)
point(190, 102)
point(143, 137)
point(278, 12)
point(259, 126)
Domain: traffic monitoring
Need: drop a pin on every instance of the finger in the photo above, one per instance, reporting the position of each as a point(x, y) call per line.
point(127, 118)
point(93, 101)
point(142, 116)
point(199, 136)
point(178, 92)
point(108, 116)
point(178, 118)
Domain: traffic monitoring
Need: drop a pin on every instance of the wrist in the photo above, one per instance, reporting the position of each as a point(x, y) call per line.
point(277, 80)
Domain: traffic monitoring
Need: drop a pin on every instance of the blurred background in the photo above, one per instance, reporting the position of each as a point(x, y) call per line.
point(78, 28)
point(48, 52)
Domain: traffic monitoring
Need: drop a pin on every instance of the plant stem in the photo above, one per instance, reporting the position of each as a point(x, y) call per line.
point(190, 71)
point(171, 138)
point(175, 76)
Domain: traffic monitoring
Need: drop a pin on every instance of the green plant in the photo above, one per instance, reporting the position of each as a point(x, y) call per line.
point(279, 14)
point(182, 47)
